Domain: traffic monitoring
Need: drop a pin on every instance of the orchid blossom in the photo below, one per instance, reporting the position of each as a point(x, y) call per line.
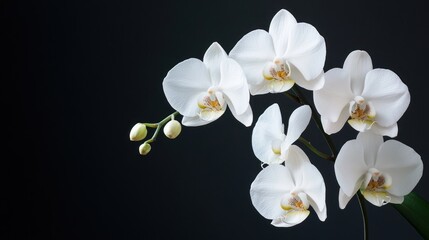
point(288, 53)
point(284, 193)
point(269, 142)
point(368, 99)
point(201, 91)
point(383, 171)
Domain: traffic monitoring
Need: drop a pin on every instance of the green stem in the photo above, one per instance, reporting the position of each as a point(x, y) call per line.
point(361, 201)
point(316, 119)
point(159, 125)
point(315, 150)
point(293, 97)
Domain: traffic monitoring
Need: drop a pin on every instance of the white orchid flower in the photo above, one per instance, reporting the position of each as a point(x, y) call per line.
point(284, 193)
point(288, 53)
point(369, 99)
point(383, 171)
point(201, 91)
point(269, 142)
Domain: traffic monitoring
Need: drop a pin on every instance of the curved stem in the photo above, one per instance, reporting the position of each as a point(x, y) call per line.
point(316, 119)
point(315, 150)
point(362, 206)
point(159, 125)
point(293, 97)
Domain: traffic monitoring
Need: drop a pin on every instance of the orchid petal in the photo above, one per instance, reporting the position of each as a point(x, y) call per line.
point(195, 121)
point(396, 199)
point(212, 59)
point(321, 213)
point(233, 84)
point(268, 188)
point(389, 95)
point(291, 218)
point(343, 199)
point(306, 50)
point(298, 122)
point(357, 64)
point(391, 131)
point(402, 164)
point(350, 166)
point(334, 127)
point(295, 157)
point(280, 28)
point(313, 184)
point(253, 52)
point(309, 84)
point(184, 84)
point(371, 144)
point(268, 130)
point(245, 118)
point(377, 198)
point(335, 95)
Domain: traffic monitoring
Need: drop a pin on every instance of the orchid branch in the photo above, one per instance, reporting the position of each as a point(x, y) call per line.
point(159, 125)
point(362, 206)
point(316, 119)
point(315, 150)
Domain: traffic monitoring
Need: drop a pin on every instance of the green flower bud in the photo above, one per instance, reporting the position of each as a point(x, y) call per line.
point(172, 129)
point(138, 132)
point(145, 148)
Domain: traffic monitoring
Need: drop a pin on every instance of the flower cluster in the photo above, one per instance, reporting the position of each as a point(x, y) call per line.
point(290, 56)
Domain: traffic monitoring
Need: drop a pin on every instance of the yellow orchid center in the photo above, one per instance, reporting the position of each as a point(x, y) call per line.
point(211, 105)
point(278, 75)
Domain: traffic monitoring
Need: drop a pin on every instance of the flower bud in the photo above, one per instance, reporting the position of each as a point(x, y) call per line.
point(138, 132)
point(144, 148)
point(172, 129)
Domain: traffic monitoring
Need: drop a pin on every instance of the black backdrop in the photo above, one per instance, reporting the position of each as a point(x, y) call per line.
point(78, 75)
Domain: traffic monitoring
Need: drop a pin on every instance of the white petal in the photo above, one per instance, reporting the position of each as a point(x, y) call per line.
point(321, 213)
point(298, 122)
point(268, 188)
point(245, 118)
point(268, 130)
point(253, 52)
point(335, 95)
point(233, 84)
point(396, 199)
point(278, 222)
point(376, 198)
point(334, 127)
point(295, 158)
point(312, 84)
point(360, 125)
point(292, 218)
point(371, 144)
point(389, 95)
point(306, 50)
point(402, 163)
point(212, 59)
point(343, 199)
point(280, 28)
point(259, 89)
point(391, 131)
point(195, 121)
point(350, 166)
point(357, 64)
point(274, 86)
point(312, 184)
point(183, 85)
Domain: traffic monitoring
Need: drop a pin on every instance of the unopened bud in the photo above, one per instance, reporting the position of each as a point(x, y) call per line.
point(144, 148)
point(138, 132)
point(172, 129)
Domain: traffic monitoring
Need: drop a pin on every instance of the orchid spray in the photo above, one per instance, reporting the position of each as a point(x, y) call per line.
point(287, 59)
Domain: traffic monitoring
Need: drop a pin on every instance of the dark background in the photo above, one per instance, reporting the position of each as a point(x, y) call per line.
point(77, 75)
